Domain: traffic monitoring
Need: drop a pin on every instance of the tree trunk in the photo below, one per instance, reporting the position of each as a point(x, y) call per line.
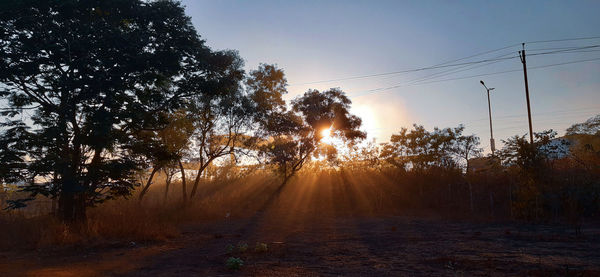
point(72, 207)
point(66, 204)
point(197, 180)
point(167, 184)
point(183, 185)
point(148, 183)
point(285, 180)
point(80, 207)
point(471, 197)
point(72, 201)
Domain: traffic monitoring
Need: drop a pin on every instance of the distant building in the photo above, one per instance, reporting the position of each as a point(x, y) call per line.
point(482, 164)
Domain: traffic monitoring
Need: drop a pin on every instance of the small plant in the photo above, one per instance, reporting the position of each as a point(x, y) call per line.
point(234, 263)
point(261, 247)
point(242, 247)
point(453, 267)
point(229, 248)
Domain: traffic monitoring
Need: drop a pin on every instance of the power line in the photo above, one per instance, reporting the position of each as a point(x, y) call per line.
point(567, 117)
point(407, 71)
point(564, 51)
point(544, 53)
point(556, 48)
point(565, 39)
point(552, 113)
point(446, 64)
point(455, 70)
point(543, 116)
point(467, 77)
point(533, 67)
point(479, 54)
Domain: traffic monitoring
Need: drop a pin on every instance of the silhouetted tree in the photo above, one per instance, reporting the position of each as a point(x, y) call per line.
point(91, 74)
point(467, 147)
point(169, 171)
point(420, 149)
point(532, 161)
point(163, 147)
point(297, 133)
point(517, 151)
point(266, 87)
point(363, 156)
point(221, 118)
point(590, 127)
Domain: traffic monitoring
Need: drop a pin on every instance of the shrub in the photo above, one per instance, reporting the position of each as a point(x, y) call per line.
point(242, 247)
point(234, 263)
point(261, 247)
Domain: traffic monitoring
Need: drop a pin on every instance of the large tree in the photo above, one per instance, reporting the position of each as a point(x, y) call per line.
point(79, 79)
point(162, 148)
point(221, 120)
point(420, 149)
point(298, 132)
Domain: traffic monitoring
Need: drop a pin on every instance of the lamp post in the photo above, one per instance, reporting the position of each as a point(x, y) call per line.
point(492, 144)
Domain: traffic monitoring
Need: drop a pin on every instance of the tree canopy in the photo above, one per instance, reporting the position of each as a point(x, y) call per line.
point(81, 78)
point(590, 127)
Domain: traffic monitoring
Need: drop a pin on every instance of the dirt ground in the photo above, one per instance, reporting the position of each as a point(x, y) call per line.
point(318, 245)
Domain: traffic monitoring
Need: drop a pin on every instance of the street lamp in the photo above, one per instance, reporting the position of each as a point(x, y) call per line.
point(492, 144)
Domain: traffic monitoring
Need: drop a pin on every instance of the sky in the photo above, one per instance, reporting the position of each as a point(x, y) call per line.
point(315, 41)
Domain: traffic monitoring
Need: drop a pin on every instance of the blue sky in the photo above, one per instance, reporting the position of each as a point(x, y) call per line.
point(324, 40)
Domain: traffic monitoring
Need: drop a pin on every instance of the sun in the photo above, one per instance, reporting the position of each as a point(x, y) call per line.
point(326, 136)
point(326, 133)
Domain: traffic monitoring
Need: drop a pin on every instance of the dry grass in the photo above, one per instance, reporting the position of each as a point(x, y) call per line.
point(324, 193)
point(127, 220)
point(118, 222)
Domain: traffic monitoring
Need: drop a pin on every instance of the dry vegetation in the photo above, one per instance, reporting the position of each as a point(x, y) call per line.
point(324, 222)
point(336, 192)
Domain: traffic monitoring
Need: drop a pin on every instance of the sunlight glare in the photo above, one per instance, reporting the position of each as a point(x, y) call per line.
point(326, 133)
point(326, 136)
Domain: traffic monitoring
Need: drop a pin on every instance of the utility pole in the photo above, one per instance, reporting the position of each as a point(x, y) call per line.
point(524, 62)
point(492, 143)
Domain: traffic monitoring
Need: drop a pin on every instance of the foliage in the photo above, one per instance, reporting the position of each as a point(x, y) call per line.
point(419, 149)
point(364, 156)
point(266, 87)
point(164, 147)
point(261, 247)
point(234, 263)
point(546, 183)
point(527, 156)
point(221, 118)
point(91, 76)
point(590, 127)
point(296, 134)
point(242, 247)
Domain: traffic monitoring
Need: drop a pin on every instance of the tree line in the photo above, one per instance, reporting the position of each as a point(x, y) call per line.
point(96, 91)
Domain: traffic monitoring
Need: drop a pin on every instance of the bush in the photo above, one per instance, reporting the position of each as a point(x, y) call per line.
point(242, 247)
point(261, 247)
point(234, 263)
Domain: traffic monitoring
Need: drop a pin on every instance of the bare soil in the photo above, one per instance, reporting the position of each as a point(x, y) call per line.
point(319, 245)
